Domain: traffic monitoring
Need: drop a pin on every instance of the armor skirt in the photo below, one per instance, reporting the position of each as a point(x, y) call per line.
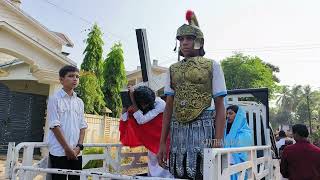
point(187, 141)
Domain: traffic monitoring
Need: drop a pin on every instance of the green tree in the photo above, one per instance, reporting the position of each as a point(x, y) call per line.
point(90, 92)
point(274, 69)
point(279, 117)
point(302, 112)
point(287, 102)
point(297, 104)
point(316, 107)
point(306, 106)
point(93, 61)
point(249, 72)
point(284, 100)
point(296, 95)
point(91, 78)
point(115, 79)
point(273, 116)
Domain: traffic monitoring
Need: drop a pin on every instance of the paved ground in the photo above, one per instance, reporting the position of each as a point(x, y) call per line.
point(2, 166)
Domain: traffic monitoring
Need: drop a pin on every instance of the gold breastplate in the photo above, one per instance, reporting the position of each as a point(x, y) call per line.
point(191, 80)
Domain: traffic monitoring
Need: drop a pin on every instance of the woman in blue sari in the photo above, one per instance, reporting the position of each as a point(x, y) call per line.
point(237, 134)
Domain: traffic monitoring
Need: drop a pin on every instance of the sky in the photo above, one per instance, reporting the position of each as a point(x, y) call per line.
point(285, 33)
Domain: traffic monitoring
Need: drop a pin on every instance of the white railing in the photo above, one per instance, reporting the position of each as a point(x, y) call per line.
point(109, 160)
point(83, 174)
point(217, 164)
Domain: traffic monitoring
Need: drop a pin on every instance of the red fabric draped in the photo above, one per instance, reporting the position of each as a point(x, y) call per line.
point(133, 134)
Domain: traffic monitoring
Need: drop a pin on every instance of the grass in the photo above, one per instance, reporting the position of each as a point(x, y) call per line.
point(93, 163)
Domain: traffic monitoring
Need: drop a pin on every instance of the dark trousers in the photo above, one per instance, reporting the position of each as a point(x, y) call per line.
point(61, 162)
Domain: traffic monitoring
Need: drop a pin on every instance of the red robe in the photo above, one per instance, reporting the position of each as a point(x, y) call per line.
point(133, 134)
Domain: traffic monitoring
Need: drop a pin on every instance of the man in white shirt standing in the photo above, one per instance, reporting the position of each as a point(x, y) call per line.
point(67, 124)
point(282, 141)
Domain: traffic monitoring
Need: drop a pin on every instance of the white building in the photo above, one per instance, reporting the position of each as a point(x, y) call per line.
point(30, 58)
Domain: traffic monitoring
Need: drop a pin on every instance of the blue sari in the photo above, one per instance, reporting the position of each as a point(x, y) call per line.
point(240, 135)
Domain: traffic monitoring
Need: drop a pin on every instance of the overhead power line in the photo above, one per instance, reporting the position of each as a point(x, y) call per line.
point(88, 22)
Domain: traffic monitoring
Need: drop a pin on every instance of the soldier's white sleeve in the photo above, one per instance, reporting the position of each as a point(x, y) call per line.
point(218, 82)
point(168, 91)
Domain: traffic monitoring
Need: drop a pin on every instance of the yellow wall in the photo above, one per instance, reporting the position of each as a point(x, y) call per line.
point(102, 129)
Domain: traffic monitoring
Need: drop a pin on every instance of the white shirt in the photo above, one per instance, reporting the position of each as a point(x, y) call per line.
point(68, 113)
point(282, 142)
point(218, 82)
point(141, 118)
point(154, 169)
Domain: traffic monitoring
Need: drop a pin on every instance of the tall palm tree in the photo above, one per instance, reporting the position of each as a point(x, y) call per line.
point(316, 104)
point(307, 94)
point(284, 100)
point(296, 95)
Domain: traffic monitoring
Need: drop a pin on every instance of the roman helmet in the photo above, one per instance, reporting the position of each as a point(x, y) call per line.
point(191, 29)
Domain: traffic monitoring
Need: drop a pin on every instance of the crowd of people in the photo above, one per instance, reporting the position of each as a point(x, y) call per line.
point(299, 159)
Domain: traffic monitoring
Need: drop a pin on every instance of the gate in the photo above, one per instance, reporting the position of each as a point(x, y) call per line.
point(22, 117)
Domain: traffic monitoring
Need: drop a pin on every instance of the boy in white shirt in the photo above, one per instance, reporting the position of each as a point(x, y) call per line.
point(67, 124)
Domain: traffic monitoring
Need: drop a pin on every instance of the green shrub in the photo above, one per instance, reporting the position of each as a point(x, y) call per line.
point(93, 163)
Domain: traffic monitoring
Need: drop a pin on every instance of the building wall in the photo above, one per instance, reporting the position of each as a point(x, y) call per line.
point(19, 22)
point(136, 77)
point(5, 58)
point(15, 33)
point(18, 72)
point(102, 129)
point(32, 87)
point(15, 45)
